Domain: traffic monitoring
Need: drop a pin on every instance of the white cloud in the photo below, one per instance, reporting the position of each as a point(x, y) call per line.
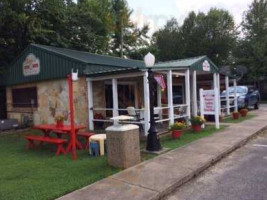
point(157, 12)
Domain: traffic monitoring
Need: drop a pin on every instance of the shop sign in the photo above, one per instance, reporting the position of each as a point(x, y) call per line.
point(31, 65)
point(206, 66)
point(208, 97)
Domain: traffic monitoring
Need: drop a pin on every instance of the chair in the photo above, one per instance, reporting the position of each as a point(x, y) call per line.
point(157, 113)
point(132, 113)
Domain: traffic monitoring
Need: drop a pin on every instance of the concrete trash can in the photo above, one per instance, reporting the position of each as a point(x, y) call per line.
point(123, 145)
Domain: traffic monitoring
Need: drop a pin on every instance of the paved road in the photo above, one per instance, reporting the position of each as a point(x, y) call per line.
point(240, 176)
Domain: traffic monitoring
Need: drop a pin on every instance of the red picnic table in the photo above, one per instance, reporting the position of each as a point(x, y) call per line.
point(48, 128)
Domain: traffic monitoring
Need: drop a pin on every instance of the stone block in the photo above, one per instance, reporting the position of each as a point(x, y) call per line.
point(123, 146)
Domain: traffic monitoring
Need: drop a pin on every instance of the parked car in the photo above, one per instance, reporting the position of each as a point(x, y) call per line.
point(247, 96)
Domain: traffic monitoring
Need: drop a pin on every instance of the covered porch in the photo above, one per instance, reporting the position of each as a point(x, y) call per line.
point(126, 92)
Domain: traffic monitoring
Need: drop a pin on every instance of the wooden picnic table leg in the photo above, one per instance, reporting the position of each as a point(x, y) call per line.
point(60, 150)
point(30, 144)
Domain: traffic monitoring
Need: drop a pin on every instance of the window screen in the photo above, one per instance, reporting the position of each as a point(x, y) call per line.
point(25, 97)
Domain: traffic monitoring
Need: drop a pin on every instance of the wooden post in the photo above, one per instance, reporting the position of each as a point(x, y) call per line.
point(146, 103)
point(187, 93)
point(72, 116)
point(170, 96)
point(90, 103)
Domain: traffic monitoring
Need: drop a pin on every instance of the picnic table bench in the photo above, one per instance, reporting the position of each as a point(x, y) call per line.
point(57, 141)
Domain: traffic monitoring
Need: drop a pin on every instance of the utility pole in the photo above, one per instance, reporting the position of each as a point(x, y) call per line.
point(121, 45)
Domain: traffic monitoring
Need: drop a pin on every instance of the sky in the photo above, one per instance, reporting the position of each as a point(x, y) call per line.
point(157, 12)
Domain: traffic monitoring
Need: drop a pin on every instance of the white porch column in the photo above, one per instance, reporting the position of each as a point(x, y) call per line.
point(146, 103)
point(115, 97)
point(170, 97)
point(236, 108)
point(219, 93)
point(90, 103)
point(159, 99)
point(195, 93)
point(216, 105)
point(227, 95)
point(187, 93)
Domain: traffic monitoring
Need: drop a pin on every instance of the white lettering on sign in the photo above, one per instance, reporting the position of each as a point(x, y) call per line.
point(206, 66)
point(31, 65)
point(208, 97)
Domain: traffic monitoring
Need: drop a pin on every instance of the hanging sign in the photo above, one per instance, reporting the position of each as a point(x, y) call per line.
point(206, 66)
point(31, 65)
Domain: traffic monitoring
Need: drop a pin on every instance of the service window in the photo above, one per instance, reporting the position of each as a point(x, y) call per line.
point(25, 97)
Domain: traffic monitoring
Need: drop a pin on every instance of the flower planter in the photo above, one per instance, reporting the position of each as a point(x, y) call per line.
point(244, 113)
point(197, 128)
point(177, 134)
point(235, 115)
point(60, 124)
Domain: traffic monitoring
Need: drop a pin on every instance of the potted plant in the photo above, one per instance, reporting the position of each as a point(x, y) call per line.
point(59, 120)
point(177, 129)
point(99, 124)
point(235, 115)
point(197, 122)
point(244, 112)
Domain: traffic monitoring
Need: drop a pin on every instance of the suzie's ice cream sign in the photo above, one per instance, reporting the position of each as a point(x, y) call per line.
point(31, 65)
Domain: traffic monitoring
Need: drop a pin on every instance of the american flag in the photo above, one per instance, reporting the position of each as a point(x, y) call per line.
point(160, 80)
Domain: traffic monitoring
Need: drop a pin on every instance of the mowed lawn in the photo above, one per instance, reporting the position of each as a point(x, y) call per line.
point(39, 174)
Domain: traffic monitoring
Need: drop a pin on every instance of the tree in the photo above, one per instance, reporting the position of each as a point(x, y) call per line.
point(125, 37)
point(252, 49)
point(168, 41)
point(213, 34)
point(17, 22)
point(85, 25)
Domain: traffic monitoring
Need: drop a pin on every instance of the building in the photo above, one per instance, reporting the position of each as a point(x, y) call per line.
point(36, 86)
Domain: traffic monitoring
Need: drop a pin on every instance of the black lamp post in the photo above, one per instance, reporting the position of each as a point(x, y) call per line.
point(153, 141)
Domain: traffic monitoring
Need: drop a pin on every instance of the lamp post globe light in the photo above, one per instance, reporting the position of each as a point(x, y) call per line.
point(153, 141)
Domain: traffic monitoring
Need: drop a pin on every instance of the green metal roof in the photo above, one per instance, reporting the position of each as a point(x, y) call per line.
point(58, 62)
point(89, 58)
point(194, 63)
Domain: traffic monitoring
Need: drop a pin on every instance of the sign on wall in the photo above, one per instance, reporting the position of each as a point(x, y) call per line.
point(206, 66)
point(31, 65)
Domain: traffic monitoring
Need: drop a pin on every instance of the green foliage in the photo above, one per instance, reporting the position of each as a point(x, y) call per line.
point(197, 120)
point(252, 48)
point(96, 26)
point(125, 36)
point(177, 126)
point(211, 34)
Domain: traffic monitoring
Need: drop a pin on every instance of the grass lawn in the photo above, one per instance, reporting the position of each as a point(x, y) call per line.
point(39, 174)
point(186, 138)
point(240, 119)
